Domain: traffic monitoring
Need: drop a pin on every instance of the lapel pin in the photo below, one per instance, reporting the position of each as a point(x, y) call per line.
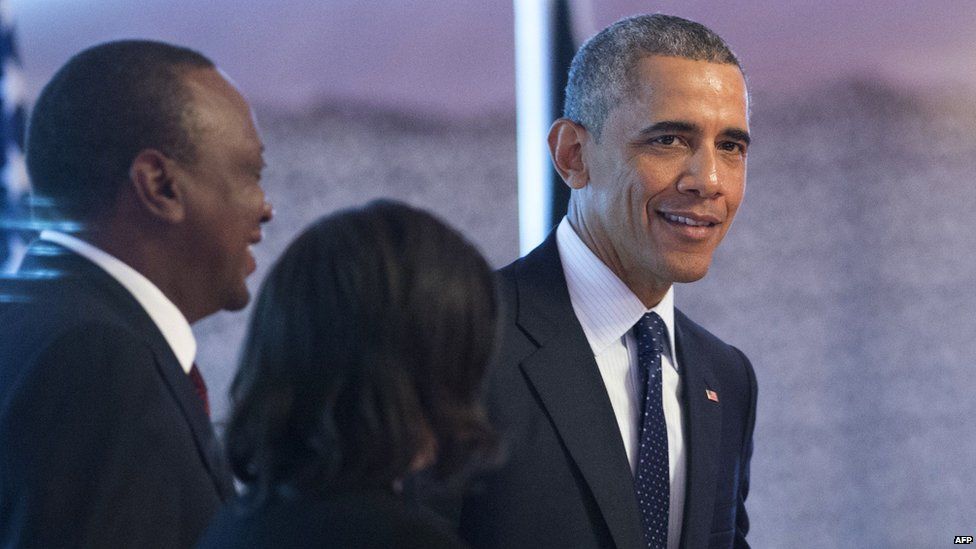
point(711, 395)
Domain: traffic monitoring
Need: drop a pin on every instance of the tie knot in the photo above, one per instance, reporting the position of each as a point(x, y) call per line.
point(651, 333)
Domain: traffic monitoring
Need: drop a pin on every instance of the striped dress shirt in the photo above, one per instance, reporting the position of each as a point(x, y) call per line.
point(607, 310)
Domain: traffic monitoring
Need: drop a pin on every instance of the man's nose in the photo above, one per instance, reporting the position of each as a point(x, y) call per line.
point(701, 177)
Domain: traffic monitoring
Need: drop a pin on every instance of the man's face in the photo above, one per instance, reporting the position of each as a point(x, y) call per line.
point(225, 203)
point(669, 172)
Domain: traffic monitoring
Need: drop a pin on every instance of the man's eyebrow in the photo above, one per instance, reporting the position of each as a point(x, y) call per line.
point(738, 135)
point(680, 126)
point(669, 126)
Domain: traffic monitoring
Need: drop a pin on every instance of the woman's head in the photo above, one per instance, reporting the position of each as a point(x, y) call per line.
point(365, 354)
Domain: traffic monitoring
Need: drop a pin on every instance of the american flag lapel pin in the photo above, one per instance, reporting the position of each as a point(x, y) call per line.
point(711, 395)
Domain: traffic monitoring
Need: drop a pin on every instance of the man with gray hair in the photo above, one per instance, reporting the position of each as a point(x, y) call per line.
point(627, 424)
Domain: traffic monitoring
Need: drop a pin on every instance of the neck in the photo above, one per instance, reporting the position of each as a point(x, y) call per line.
point(152, 259)
point(648, 289)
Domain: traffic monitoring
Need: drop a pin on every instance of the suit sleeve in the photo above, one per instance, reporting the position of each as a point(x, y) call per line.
point(742, 518)
point(82, 465)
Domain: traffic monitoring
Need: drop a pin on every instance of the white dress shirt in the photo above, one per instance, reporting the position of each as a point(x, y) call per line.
point(170, 321)
point(607, 310)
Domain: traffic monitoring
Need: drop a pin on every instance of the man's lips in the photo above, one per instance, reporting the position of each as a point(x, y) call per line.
point(251, 260)
point(690, 219)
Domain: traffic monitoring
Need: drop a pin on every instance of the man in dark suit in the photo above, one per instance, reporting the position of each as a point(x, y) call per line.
point(145, 163)
point(627, 424)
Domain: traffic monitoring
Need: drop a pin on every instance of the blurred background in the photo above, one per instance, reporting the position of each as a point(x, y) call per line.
point(848, 278)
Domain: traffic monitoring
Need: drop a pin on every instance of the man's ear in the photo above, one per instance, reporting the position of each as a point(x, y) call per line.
point(566, 139)
point(154, 180)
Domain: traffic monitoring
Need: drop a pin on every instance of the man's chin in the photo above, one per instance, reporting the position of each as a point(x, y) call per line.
point(238, 301)
point(689, 271)
point(686, 278)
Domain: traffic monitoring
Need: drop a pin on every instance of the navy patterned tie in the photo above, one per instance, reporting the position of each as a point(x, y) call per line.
point(652, 480)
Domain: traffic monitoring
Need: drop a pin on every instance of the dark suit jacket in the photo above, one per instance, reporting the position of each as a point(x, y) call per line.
point(567, 481)
point(103, 439)
point(357, 518)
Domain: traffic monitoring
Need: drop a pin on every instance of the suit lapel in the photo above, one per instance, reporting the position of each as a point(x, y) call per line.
point(47, 257)
point(703, 425)
point(181, 387)
point(564, 374)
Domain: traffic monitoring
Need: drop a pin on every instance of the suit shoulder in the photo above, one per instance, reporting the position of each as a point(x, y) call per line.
point(694, 334)
point(85, 326)
point(103, 337)
point(55, 306)
point(506, 280)
point(60, 360)
point(507, 274)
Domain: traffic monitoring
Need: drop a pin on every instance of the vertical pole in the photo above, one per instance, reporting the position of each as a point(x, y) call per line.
point(533, 116)
point(562, 48)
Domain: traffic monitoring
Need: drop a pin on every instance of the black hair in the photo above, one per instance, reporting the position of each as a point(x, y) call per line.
point(103, 107)
point(369, 340)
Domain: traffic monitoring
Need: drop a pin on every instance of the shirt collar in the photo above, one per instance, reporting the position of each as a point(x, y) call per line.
point(167, 317)
point(604, 305)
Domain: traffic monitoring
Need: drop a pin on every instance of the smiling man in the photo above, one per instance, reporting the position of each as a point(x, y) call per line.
point(627, 424)
point(146, 167)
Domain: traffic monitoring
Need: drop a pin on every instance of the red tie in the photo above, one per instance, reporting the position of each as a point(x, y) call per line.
point(200, 386)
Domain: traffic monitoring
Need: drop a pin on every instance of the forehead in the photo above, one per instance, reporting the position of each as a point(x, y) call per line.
point(676, 88)
point(218, 109)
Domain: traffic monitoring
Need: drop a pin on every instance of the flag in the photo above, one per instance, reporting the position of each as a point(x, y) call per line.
point(14, 187)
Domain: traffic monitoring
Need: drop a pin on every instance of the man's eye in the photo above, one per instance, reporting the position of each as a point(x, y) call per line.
point(666, 139)
point(732, 146)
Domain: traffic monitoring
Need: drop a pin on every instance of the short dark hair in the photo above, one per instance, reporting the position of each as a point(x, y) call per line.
point(601, 72)
point(371, 333)
point(103, 107)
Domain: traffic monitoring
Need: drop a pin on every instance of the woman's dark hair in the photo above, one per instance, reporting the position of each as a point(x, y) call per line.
point(367, 345)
